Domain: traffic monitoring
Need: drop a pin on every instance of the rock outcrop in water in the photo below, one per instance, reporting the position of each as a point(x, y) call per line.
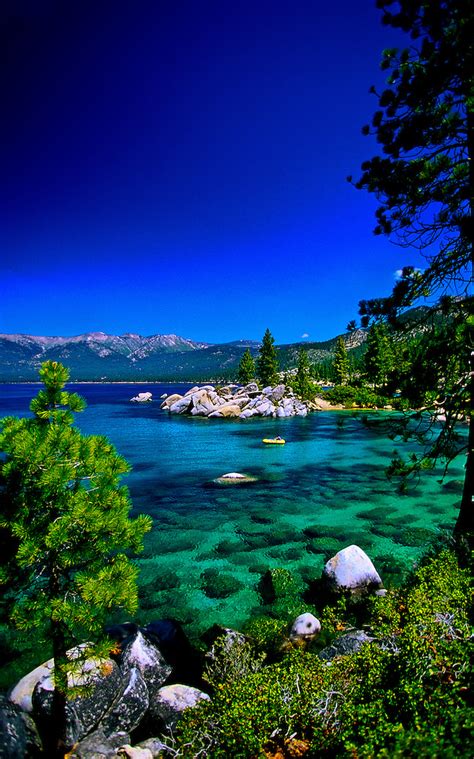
point(142, 398)
point(233, 401)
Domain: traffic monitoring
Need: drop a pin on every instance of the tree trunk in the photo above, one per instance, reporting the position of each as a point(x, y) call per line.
point(465, 523)
point(464, 527)
point(57, 737)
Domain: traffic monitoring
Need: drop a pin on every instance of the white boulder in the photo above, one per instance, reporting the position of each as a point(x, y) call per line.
point(305, 627)
point(142, 398)
point(181, 405)
point(351, 568)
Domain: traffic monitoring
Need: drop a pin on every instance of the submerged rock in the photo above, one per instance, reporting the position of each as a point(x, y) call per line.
point(234, 478)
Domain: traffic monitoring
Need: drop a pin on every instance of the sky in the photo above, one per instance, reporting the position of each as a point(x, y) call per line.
point(179, 166)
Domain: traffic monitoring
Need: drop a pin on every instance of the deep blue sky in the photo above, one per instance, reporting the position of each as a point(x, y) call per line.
point(179, 166)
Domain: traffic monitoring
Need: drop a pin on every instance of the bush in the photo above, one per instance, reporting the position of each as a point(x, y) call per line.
point(404, 694)
point(355, 396)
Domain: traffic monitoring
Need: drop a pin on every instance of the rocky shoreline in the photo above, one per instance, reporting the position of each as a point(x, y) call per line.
point(135, 696)
point(237, 402)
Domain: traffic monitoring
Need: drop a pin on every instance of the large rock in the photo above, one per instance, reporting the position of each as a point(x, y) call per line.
point(142, 398)
point(147, 658)
point(172, 700)
point(278, 392)
point(204, 402)
point(265, 407)
point(97, 745)
point(22, 692)
point(252, 387)
point(351, 569)
point(18, 733)
point(176, 649)
point(234, 402)
point(170, 400)
point(346, 644)
point(305, 627)
point(320, 404)
point(180, 406)
point(101, 679)
point(248, 412)
point(129, 707)
point(227, 410)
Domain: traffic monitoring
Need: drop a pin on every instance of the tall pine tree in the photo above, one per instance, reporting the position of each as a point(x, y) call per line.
point(247, 370)
point(378, 357)
point(267, 362)
point(66, 519)
point(303, 385)
point(424, 183)
point(341, 362)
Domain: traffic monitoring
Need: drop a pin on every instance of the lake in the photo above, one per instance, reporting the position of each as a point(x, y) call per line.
point(210, 545)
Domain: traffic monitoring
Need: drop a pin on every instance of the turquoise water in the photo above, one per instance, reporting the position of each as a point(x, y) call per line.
point(322, 491)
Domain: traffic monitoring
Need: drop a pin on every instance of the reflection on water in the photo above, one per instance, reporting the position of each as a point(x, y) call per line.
point(322, 491)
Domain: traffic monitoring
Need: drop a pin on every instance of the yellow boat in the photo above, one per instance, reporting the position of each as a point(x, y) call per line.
point(273, 441)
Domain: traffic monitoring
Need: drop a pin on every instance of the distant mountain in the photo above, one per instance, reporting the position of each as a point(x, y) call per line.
point(92, 356)
point(318, 352)
point(99, 357)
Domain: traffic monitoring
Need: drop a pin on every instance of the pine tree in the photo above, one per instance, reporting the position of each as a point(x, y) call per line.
point(378, 358)
point(424, 182)
point(302, 384)
point(67, 519)
point(267, 362)
point(246, 368)
point(341, 362)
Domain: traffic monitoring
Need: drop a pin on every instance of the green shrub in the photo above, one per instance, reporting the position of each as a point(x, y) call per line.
point(355, 396)
point(404, 694)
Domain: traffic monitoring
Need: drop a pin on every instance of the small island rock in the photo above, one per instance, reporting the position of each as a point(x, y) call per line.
point(142, 398)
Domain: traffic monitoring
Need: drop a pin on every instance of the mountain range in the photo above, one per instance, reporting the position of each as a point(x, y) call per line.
point(96, 356)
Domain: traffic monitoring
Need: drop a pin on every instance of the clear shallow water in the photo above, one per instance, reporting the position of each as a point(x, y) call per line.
point(322, 491)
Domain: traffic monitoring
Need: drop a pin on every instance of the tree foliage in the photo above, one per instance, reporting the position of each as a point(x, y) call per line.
point(424, 183)
point(302, 384)
point(379, 356)
point(66, 520)
point(424, 125)
point(267, 362)
point(341, 362)
point(247, 370)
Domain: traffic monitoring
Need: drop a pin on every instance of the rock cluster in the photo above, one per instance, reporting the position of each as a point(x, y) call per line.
point(124, 692)
point(140, 686)
point(233, 401)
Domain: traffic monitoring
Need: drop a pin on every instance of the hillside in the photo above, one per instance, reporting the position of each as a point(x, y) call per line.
point(100, 357)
